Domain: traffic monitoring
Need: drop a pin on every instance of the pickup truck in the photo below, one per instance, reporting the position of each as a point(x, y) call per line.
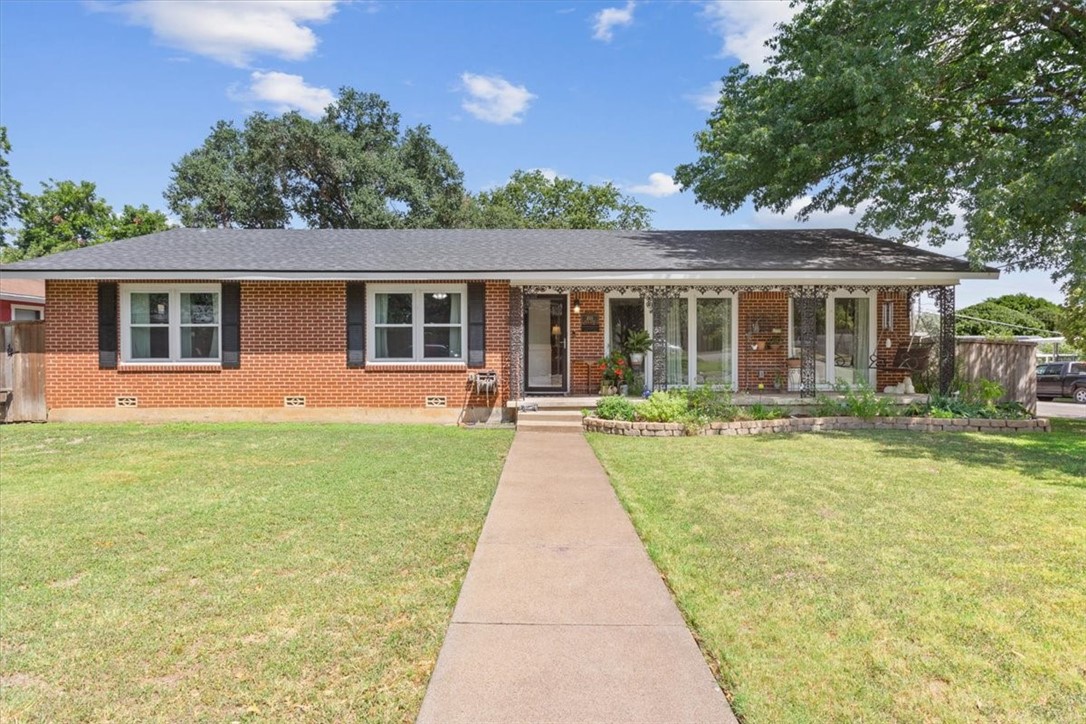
point(1062, 379)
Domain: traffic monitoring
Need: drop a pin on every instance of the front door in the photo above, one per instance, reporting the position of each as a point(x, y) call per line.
point(545, 341)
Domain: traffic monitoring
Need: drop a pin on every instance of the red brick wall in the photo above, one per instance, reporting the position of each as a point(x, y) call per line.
point(293, 342)
point(585, 348)
point(898, 336)
point(762, 366)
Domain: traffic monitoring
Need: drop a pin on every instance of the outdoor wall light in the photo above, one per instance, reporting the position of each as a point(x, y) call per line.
point(576, 306)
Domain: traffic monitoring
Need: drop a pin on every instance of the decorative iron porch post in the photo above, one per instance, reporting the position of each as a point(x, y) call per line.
point(516, 343)
point(660, 307)
point(807, 307)
point(944, 300)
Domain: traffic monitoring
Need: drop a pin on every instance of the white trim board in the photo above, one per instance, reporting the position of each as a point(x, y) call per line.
point(518, 278)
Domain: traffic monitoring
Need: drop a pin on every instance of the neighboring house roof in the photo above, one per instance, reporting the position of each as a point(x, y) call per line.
point(21, 290)
point(514, 254)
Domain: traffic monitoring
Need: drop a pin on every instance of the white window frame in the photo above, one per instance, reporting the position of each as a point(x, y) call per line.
point(418, 322)
point(692, 334)
point(874, 318)
point(692, 298)
point(174, 291)
point(646, 371)
point(28, 308)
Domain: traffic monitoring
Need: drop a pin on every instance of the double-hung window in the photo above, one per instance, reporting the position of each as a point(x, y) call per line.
point(176, 323)
point(417, 323)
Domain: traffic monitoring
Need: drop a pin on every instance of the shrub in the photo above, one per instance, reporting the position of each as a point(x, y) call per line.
point(827, 407)
point(663, 407)
point(711, 404)
point(863, 402)
point(948, 406)
point(758, 411)
point(616, 408)
point(692, 422)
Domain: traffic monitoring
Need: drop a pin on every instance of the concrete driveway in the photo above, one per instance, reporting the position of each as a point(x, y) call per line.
point(1061, 409)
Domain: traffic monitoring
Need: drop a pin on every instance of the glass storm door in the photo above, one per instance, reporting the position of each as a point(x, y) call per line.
point(545, 344)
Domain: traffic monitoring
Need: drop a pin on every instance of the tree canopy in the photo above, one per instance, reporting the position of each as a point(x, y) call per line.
point(1011, 314)
point(352, 168)
point(68, 215)
point(9, 187)
point(935, 120)
point(530, 200)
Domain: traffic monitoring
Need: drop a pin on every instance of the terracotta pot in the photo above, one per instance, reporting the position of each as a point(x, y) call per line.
point(794, 363)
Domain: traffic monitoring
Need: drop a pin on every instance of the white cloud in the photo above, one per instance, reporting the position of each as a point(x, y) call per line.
point(493, 99)
point(548, 173)
point(706, 98)
point(232, 32)
point(286, 92)
point(610, 18)
point(746, 26)
point(838, 217)
point(659, 185)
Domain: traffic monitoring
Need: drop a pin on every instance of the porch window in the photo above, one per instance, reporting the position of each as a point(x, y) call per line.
point(417, 324)
point(851, 346)
point(627, 315)
point(843, 341)
point(821, 374)
point(678, 342)
point(170, 323)
point(713, 364)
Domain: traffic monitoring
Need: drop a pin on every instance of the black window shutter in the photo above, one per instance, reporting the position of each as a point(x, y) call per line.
point(231, 325)
point(356, 324)
point(476, 324)
point(107, 325)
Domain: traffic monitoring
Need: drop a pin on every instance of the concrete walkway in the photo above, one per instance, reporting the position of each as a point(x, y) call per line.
point(563, 617)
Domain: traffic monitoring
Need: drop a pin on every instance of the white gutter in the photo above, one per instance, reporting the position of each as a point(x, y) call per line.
point(27, 298)
point(542, 278)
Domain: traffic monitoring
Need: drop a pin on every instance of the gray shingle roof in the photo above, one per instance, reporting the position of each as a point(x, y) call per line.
point(474, 251)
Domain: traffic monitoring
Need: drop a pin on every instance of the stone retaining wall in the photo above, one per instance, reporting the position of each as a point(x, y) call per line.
point(816, 424)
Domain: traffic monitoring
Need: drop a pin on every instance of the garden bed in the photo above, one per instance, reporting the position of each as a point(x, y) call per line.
point(814, 424)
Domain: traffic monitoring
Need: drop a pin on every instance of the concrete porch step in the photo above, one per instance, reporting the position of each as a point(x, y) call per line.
point(566, 415)
point(558, 403)
point(535, 424)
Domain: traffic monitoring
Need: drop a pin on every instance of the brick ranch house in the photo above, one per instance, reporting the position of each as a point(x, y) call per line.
point(439, 324)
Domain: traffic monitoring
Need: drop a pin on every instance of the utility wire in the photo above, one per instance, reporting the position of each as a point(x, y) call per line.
point(1004, 324)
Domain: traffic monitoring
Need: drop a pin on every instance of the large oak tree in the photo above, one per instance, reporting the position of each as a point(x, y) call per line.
point(935, 119)
point(351, 168)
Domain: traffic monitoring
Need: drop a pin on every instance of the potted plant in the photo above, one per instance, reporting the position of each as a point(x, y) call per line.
point(638, 342)
point(613, 369)
point(793, 362)
point(776, 342)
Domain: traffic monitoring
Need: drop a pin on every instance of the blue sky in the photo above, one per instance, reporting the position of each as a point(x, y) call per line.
point(114, 92)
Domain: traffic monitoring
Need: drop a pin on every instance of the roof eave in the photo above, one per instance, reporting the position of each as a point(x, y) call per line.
point(904, 277)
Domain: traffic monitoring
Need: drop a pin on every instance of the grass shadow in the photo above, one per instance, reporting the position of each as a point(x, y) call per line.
point(1050, 457)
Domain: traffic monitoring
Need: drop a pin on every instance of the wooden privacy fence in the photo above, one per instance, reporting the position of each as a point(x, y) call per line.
point(22, 372)
point(1011, 363)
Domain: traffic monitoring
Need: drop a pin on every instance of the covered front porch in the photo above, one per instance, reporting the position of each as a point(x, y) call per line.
point(763, 342)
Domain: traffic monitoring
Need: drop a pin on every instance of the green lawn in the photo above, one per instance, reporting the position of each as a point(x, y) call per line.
point(874, 576)
point(224, 572)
